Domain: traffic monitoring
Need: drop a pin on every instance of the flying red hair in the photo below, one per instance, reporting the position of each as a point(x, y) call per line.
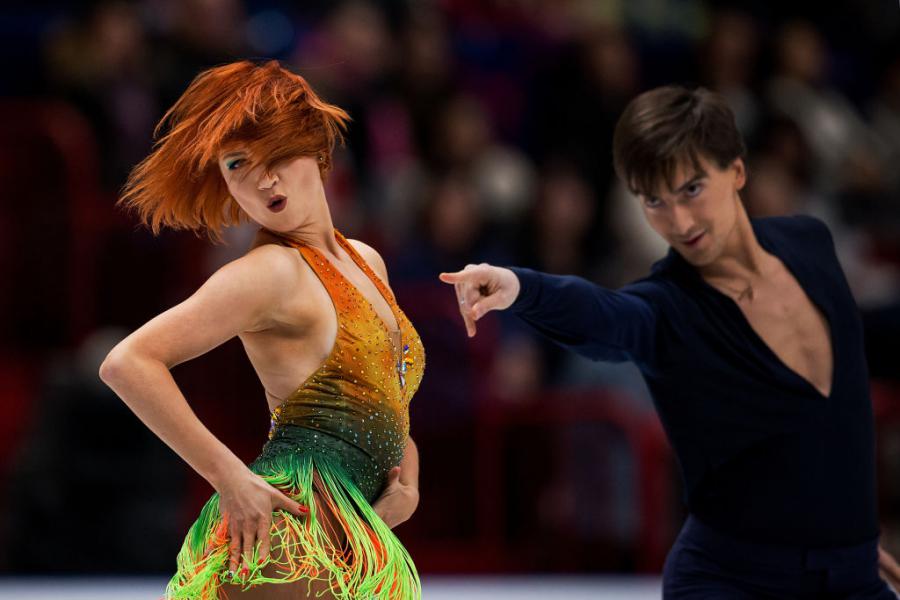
point(263, 108)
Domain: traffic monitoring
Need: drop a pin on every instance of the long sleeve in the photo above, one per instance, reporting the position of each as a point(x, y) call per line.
point(593, 321)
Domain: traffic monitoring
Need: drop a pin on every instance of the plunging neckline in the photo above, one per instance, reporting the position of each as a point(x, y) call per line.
point(757, 339)
point(396, 349)
point(397, 352)
point(373, 277)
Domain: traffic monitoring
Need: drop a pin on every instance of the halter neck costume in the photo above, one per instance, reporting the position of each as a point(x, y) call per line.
point(361, 392)
point(338, 434)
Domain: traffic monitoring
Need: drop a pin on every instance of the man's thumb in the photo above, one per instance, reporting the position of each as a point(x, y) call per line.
point(484, 306)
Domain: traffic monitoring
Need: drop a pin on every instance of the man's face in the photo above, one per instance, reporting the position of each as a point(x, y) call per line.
point(697, 216)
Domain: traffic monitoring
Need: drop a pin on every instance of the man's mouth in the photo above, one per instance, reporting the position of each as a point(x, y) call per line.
point(693, 241)
point(277, 203)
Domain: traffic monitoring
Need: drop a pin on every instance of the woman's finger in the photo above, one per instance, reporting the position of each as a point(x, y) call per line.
point(234, 549)
point(264, 537)
point(248, 541)
point(284, 502)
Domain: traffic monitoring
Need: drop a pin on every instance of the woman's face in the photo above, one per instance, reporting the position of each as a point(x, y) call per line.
point(281, 200)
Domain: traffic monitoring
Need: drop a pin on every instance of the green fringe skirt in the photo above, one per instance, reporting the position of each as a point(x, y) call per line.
point(369, 562)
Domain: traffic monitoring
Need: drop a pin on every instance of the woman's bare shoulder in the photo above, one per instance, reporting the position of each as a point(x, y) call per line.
point(372, 257)
point(267, 276)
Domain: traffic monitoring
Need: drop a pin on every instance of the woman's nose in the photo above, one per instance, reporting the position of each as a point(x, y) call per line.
point(267, 181)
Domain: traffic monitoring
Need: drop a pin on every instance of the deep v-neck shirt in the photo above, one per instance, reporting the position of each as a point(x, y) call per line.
point(763, 454)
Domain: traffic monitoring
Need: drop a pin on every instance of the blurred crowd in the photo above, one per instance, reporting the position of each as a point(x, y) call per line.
point(481, 132)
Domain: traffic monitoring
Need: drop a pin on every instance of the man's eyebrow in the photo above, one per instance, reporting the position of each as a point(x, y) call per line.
point(697, 177)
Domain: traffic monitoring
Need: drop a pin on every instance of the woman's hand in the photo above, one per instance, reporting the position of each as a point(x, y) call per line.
point(482, 288)
point(398, 501)
point(889, 569)
point(247, 502)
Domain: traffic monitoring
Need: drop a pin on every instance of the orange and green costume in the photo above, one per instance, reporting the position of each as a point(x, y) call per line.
point(337, 435)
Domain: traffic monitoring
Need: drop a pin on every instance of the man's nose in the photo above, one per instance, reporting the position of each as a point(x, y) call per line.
point(682, 221)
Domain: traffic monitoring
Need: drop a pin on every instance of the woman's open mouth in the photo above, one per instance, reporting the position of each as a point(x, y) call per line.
point(277, 203)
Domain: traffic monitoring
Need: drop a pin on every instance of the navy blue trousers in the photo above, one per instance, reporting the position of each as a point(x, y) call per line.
point(705, 563)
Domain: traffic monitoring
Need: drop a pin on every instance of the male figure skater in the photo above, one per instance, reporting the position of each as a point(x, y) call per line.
point(750, 342)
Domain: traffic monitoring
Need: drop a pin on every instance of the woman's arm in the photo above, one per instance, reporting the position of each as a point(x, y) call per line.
point(245, 295)
point(401, 493)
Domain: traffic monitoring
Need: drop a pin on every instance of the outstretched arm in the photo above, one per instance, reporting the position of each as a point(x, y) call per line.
point(587, 318)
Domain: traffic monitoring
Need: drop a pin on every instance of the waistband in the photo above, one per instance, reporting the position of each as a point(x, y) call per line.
point(779, 557)
point(368, 475)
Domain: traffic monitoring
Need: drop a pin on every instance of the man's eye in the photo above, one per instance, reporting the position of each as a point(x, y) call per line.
point(693, 190)
point(233, 164)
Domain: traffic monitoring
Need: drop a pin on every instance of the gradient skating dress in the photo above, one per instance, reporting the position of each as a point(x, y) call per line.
point(338, 434)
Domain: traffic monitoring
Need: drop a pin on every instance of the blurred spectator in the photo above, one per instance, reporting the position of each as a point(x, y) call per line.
point(103, 66)
point(849, 157)
point(91, 479)
point(481, 132)
point(730, 58)
point(886, 121)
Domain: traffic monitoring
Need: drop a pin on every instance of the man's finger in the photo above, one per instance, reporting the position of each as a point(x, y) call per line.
point(464, 309)
point(892, 581)
point(452, 277)
point(481, 308)
point(888, 563)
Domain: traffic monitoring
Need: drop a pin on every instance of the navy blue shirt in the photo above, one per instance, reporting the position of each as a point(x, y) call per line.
point(764, 455)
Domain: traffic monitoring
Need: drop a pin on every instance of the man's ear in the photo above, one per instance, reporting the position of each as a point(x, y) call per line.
point(740, 179)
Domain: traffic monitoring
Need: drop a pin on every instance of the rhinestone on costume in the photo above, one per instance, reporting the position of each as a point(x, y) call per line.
point(360, 372)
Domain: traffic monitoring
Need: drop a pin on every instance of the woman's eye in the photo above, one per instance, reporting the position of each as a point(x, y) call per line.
point(651, 202)
point(233, 164)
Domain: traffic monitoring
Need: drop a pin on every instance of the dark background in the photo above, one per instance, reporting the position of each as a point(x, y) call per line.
point(481, 132)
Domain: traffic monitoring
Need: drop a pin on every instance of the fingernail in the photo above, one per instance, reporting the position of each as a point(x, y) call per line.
point(244, 572)
point(303, 509)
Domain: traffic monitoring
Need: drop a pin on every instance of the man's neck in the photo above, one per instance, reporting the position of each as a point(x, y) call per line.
point(743, 259)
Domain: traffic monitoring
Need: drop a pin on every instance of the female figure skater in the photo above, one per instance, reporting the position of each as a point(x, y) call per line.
point(338, 359)
point(750, 342)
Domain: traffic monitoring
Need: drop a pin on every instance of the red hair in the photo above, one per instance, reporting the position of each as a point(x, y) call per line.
point(271, 112)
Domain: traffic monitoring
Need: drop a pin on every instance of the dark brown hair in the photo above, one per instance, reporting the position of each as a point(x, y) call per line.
point(673, 126)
